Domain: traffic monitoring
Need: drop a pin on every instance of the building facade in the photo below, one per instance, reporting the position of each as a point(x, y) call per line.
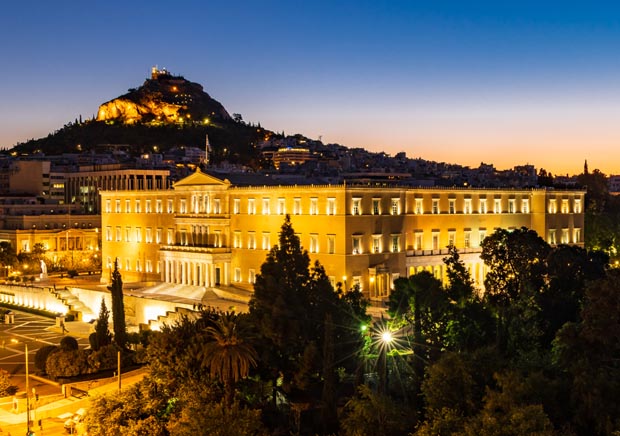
point(208, 232)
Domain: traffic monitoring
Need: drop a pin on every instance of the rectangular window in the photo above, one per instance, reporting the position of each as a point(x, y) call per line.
point(237, 239)
point(127, 234)
point(314, 243)
point(237, 275)
point(251, 206)
point(331, 244)
point(356, 206)
point(217, 238)
point(138, 208)
point(467, 239)
point(577, 205)
point(553, 206)
point(118, 234)
point(314, 206)
point(138, 265)
point(512, 205)
point(565, 207)
point(149, 266)
point(147, 207)
point(331, 206)
point(435, 241)
point(266, 210)
point(170, 207)
point(525, 205)
point(395, 244)
point(108, 233)
point(251, 240)
point(452, 237)
point(482, 233)
point(183, 205)
point(127, 206)
point(564, 239)
point(159, 208)
point(297, 206)
point(419, 209)
point(158, 235)
point(435, 206)
point(395, 208)
point(170, 237)
point(576, 236)
point(451, 206)
point(251, 276)
point(138, 234)
point(266, 241)
point(149, 235)
point(237, 206)
point(357, 245)
point(497, 205)
point(552, 240)
point(217, 206)
point(117, 205)
point(108, 206)
point(127, 265)
point(376, 206)
point(419, 241)
point(482, 208)
point(467, 208)
point(281, 206)
point(376, 243)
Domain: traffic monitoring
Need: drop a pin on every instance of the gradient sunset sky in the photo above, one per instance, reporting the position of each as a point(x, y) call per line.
point(465, 82)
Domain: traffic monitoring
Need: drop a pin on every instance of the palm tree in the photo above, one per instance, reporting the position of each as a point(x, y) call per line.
point(227, 354)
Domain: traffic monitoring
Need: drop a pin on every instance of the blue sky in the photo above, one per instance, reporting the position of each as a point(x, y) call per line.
point(506, 83)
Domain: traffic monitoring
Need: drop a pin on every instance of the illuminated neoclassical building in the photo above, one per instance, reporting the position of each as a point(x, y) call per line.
point(208, 232)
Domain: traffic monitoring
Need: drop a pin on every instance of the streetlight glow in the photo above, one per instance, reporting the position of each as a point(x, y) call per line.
point(387, 337)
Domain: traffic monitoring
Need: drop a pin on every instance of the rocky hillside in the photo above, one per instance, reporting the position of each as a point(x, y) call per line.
point(163, 98)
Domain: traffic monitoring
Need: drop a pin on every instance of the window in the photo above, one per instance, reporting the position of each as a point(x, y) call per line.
point(117, 204)
point(128, 265)
point(482, 208)
point(395, 208)
point(314, 243)
point(149, 235)
point(138, 234)
point(237, 275)
point(266, 241)
point(482, 233)
point(236, 206)
point(108, 233)
point(451, 206)
point(331, 206)
point(467, 208)
point(149, 266)
point(281, 206)
point(158, 234)
point(251, 276)
point(127, 234)
point(138, 266)
point(266, 210)
point(138, 206)
point(419, 209)
point(497, 205)
point(251, 206)
point(512, 205)
point(170, 207)
point(217, 206)
point(553, 206)
point(452, 237)
point(108, 206)
point(376, 206)
point(356, 207)
point(127, 206)
point(395, 244)
point(183, 206)
point(159, 208)
point(118, 234)
point(564, 238)
point(147, 206)
point(435, 206)
point(314, 206)
point(331, 244)
point(170, 237)
point(237, 239)
point(525, 205)
point(576, 236)
point(376, 243)
point(564, 207)
point(251, 240)
point(418, 240)
point(552, 240)
point(435, 240)
point(217, 238)
point(577, 205)
point(467, 239)
point(296, 206)
point(357, 245)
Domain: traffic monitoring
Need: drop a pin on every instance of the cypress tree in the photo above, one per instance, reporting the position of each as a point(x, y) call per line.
point(118, 307)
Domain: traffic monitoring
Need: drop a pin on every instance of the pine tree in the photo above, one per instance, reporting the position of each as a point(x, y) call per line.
point(101, 336)
point(118, 307)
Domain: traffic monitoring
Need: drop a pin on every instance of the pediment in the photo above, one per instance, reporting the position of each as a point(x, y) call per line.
point(200, 179)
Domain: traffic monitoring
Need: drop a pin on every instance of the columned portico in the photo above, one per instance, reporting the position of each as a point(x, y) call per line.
point(196, 266)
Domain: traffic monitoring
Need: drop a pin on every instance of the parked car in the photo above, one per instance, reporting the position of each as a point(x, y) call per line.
point(71, 423)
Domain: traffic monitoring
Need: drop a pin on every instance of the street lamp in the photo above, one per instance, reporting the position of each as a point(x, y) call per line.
point(384, 342)
point(28, 433)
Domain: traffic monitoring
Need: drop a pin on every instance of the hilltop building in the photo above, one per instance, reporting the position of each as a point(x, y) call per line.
point(207, 232)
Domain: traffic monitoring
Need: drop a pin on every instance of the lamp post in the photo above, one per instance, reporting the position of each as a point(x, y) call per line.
point(385, 340)
point(28, 433)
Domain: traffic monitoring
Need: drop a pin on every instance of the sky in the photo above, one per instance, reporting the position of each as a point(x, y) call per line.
point(500, 82)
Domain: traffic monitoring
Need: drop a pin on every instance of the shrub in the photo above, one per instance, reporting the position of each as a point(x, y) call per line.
point(69, 343)
point(67, 363)
point(40, 358)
